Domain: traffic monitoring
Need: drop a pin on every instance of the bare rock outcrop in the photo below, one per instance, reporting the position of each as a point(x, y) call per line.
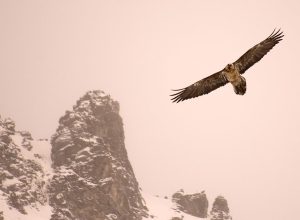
point(220, 210)
point(193, 204)
point(93, 177)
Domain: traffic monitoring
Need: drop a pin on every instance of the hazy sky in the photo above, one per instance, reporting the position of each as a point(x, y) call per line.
point(245, 147)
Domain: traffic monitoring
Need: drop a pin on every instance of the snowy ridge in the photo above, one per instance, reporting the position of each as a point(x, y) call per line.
point(25, 170)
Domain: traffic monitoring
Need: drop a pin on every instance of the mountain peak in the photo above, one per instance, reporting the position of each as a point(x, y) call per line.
point(95, 100)
point(88, 175)
point(90, 158)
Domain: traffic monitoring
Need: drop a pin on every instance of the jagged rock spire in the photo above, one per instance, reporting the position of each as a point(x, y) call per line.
point(91, 164)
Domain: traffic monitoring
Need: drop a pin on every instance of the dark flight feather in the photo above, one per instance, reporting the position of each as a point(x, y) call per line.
point(201, 87)
point(257, 52)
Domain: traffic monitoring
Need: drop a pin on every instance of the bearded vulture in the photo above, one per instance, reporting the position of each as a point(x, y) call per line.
point(231, 73)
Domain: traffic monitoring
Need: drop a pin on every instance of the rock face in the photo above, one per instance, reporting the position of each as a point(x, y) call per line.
point(84, 174)
point(163, 208)
point(220, 210)
point(22, 178)
point(93, 177)
point(193, 204)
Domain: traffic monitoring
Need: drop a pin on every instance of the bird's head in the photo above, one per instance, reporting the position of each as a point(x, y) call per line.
point(229, 67)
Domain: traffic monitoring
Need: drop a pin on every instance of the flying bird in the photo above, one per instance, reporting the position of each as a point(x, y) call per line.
point(231, 73)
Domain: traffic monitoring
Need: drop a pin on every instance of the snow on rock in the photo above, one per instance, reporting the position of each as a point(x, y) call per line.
point(85, 173)
point(220, 210)
point(166, 208)
point(194, 204)
point(162, 208)
point(93, 178)
point(40, 212)
point(24, 172)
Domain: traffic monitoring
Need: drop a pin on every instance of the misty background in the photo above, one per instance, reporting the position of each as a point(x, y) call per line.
point(243, 147)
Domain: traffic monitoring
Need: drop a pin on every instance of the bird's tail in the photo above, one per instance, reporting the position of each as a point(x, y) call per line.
point(240, 88)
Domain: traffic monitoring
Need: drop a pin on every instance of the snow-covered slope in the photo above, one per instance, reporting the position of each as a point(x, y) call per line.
point(172, 208)
point(25, 169)
point(162, 208)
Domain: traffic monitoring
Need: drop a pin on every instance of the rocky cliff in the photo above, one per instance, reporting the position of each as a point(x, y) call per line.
point(84, 173)
point(193, 204)
point(93, 177)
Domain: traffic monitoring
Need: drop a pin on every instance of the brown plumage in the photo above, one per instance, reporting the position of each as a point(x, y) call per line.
point(231, 73)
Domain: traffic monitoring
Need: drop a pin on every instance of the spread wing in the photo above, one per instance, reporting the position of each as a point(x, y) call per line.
point(201, 87)
point(257, 52)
